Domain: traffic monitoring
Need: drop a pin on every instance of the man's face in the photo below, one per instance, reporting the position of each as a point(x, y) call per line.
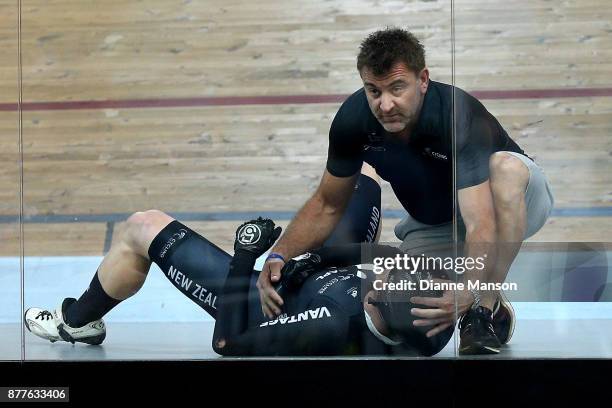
point(396, 97)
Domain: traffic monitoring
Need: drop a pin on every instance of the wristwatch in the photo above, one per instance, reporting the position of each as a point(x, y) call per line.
point(476, 295)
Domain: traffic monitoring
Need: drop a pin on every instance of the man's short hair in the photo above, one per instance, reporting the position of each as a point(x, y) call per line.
point(384, 48)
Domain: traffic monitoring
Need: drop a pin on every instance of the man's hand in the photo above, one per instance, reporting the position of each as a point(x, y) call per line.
point(311, 226)
point(293, 274)
point(270, 300)
point(442, 316)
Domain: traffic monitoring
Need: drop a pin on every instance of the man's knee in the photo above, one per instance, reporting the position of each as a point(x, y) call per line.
point(507, 166)
point(142, 227)
point(509, 177)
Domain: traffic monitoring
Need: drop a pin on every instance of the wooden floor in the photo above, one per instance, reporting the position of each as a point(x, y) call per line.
point(269, 157)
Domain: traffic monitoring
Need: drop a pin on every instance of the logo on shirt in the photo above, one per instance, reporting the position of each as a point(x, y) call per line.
point(333, 281)
point(352, 291)
point(434, 155)
point(177, 236)
point(374, 142)
point(326, 274)
point(318, 313)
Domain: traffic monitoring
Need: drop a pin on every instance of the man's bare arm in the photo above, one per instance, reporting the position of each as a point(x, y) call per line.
point(316, 220)
point(309, 229)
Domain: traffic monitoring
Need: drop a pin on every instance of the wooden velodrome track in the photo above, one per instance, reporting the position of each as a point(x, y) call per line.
point(125, 108)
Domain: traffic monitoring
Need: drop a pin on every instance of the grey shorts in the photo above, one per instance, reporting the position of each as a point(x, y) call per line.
point(539, 201)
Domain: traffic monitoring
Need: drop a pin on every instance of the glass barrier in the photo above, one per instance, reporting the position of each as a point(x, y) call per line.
point(531, 138)
point(139, 114)
point(10, 247)
point(212, 114)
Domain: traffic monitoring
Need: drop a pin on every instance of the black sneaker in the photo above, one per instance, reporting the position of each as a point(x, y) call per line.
point(503, 319)
point(476, 332)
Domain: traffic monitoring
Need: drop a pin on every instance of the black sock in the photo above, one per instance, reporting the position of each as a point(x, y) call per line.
point(91, 306)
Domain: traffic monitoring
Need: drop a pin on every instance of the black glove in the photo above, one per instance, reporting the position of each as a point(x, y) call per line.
point(256, 236)
point(297, 270)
